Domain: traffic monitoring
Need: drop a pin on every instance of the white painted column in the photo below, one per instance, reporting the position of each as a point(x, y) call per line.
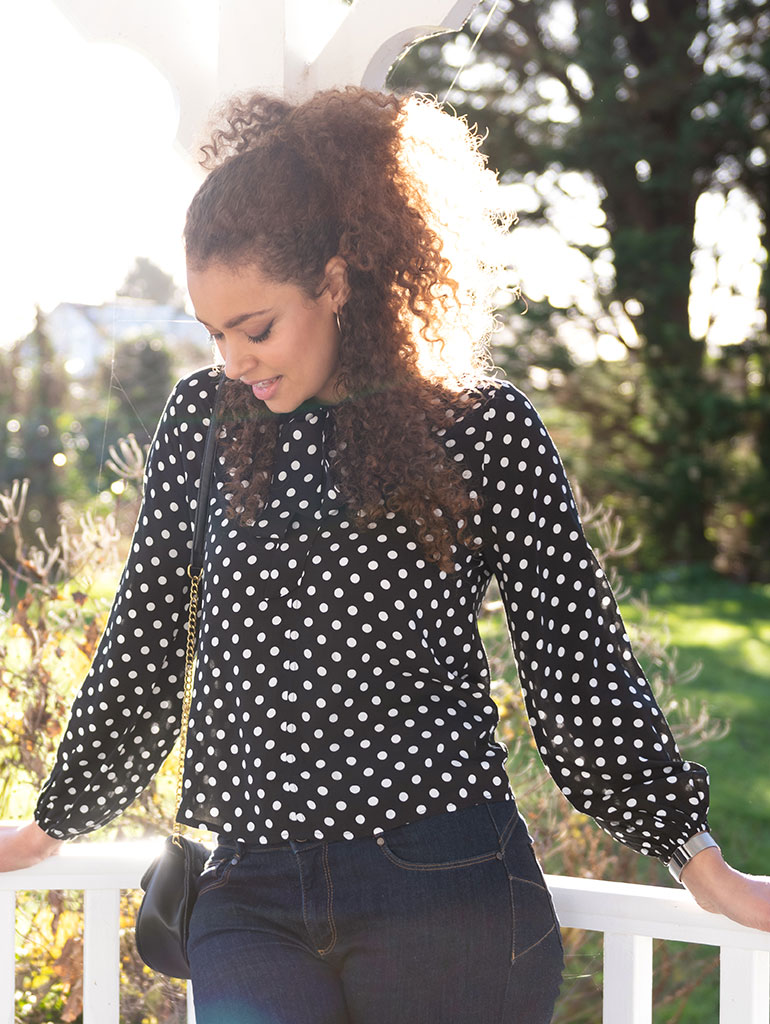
point(181, 46)
point(627, 979)
point(374, 34)
point(744, 986)
point(252, 46)
point(101, 956)
point(289, 47)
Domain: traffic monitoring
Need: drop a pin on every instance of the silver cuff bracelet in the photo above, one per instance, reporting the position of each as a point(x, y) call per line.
point(685, 853)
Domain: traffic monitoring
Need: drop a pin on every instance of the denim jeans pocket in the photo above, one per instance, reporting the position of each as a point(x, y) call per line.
point(533, 915)
point(454, 840)
point(217, 869)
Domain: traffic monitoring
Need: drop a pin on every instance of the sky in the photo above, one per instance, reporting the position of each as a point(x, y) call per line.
point(93, 177)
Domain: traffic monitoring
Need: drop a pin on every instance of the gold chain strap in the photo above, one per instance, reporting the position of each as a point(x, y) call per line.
point(189, 673)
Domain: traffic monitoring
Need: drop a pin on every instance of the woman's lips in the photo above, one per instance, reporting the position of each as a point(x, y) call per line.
point(265, 389)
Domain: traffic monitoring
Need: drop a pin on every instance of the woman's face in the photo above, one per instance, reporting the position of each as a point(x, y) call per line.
point(272, 336)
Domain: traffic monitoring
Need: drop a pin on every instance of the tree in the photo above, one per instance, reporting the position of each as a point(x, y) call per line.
point(134, 386)
point(655, 103)
point(145, 280)
point(37, 395)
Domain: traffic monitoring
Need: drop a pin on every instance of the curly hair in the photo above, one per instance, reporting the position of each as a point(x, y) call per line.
point(398, 189)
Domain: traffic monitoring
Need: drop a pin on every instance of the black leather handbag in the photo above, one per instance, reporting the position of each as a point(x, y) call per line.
point(170, 886)
point(171, 882)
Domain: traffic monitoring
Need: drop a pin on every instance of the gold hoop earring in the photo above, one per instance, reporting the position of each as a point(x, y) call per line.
point(337, 318)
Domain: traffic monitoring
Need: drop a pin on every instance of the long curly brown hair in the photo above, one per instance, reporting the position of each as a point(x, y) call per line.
point(292, 185)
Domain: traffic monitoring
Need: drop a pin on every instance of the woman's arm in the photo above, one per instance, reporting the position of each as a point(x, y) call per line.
point(597, 725)
point(126, 716)
point(21, 846)
point(717, 887)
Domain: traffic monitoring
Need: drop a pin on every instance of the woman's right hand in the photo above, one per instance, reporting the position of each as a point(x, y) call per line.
point(21, 846)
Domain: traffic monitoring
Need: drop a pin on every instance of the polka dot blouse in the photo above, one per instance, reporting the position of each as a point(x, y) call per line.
point(341, 687)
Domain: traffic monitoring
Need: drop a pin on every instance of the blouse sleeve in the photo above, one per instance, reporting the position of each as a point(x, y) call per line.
point(126, 716)
point(596, 723)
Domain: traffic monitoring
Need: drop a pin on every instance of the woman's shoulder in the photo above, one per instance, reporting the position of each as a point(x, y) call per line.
point(188, 408)
point(192, 398)
point(493, 402)
point(197, 389)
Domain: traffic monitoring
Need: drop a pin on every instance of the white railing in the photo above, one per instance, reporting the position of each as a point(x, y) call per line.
point(630, 916)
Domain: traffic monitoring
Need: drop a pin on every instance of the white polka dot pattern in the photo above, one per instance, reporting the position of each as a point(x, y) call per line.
point(341, 687)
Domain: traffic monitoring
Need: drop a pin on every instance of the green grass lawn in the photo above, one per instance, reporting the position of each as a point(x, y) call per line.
point(725, 626)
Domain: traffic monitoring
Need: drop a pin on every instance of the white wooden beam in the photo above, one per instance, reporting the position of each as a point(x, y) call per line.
point(290, 47)
point(252, 46)
point(182, 48)
point(374, 34)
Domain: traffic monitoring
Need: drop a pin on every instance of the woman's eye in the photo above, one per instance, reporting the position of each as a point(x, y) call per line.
point(263, 336)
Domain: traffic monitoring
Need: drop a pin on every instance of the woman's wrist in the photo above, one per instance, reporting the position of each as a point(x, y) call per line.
point(44, 844)
point(703, 866)
point(685, 853)
point(719, 888)
point(22, 846)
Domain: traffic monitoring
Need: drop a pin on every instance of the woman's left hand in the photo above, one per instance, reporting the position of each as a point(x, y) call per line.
point(717, 887)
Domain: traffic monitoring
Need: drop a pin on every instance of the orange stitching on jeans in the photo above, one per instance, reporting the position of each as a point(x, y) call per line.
point(513, 822)
point(304, 894)
point(528, 881)
point(542, 888)
point(329, 901)
point(445, 866)
point(534, 944)
point(217, 883)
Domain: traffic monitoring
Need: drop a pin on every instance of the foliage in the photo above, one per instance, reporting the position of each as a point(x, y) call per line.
point(653, 104)
point(59, 429)
point(145, 280)
point(52, 614)
point(49, 976)
point(724, 625)
point(137, 380)
point(34, 393)
point(49, 972)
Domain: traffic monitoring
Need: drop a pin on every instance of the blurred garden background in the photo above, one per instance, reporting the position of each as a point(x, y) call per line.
point(632, 138)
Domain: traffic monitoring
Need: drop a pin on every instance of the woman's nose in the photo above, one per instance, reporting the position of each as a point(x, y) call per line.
point(238, 359)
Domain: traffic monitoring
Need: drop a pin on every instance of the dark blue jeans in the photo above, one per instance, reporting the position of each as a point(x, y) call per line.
point(443, 921)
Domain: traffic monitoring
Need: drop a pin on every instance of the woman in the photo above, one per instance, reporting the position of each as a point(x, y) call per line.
point(372, 865)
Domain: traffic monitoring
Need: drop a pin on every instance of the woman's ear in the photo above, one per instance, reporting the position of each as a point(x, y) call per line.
point(336, 278)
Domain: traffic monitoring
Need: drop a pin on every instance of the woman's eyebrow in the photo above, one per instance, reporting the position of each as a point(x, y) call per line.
point(236, 320)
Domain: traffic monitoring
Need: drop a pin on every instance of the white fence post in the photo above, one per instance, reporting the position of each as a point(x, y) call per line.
point(744, 986)
point(7, 957)
point(627, 979)
point(101, 956)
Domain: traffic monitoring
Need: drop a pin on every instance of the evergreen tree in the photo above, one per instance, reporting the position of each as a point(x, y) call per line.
point(146, 280)
point(656, 103)
point(133, 388)
point(40, 397)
